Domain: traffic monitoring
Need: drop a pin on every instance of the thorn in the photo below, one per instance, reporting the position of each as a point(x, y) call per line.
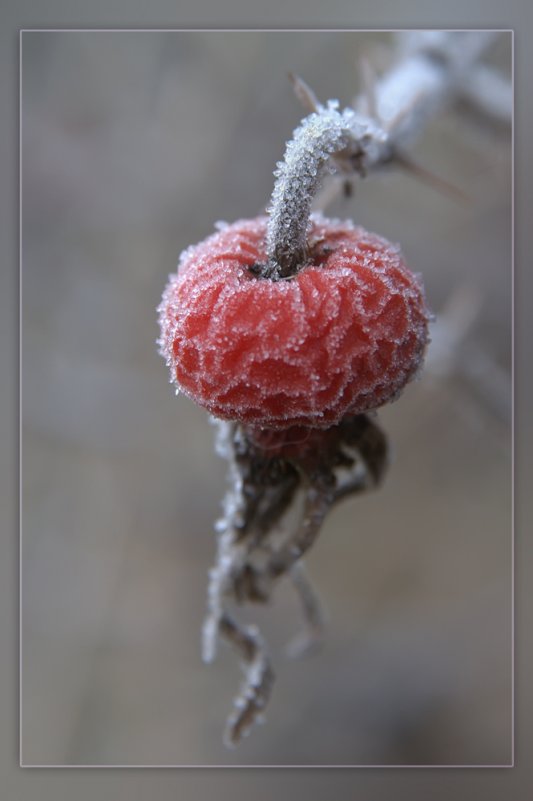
point(380, 57)
point(304, 93)
point(428, 177)
point(368, 77)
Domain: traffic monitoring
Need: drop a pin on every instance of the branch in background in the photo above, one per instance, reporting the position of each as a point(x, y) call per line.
point(451, 353)
point(489, 93)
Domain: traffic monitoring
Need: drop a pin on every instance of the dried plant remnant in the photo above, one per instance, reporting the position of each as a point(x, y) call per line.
point(267, 470)
point(259, 678)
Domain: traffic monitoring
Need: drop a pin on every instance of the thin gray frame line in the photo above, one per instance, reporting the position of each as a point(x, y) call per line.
point(513, 387)
point(257, 30)
point(260, 765)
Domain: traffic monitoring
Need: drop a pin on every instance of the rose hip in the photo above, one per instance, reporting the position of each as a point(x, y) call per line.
point(342, 336)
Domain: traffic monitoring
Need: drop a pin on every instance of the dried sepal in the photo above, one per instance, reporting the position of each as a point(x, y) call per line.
point(266, 471)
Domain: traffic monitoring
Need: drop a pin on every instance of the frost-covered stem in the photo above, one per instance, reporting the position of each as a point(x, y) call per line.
point(427, 76)
point(307, 156)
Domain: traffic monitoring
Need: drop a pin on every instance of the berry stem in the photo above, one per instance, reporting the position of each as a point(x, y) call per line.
point(320, 136)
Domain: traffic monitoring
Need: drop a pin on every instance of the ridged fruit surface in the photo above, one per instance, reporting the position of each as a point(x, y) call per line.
point(342, 336)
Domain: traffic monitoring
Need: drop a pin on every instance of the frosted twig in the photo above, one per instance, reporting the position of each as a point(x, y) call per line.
point(430, 74)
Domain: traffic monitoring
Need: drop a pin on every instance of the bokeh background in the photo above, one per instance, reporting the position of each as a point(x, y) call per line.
point(133, 145)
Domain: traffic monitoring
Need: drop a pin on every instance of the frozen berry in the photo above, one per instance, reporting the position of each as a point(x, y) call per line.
point(341, 336)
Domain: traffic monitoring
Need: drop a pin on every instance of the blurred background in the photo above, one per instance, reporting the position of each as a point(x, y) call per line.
point(133, 145)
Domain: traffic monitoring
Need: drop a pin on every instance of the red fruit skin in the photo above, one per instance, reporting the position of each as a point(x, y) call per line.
point(342, 336)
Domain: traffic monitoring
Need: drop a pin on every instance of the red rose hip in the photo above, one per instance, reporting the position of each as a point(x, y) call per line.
point(341, 336)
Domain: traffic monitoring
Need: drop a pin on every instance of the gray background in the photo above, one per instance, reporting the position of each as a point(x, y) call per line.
point(133, 145)
point(262, 784)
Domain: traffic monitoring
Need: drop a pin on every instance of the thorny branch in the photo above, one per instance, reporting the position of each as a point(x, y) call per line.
point(254, 551)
